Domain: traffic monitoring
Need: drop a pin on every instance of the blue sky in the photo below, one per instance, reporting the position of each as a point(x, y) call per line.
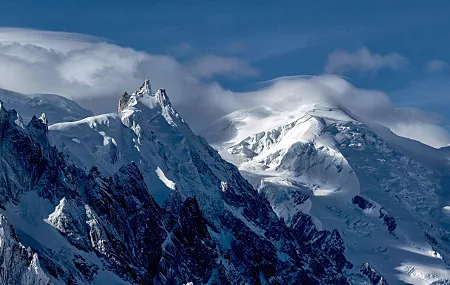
point(278, 38)
point(399, 47)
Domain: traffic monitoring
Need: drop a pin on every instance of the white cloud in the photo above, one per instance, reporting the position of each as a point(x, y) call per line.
point(209, 66)
point(95, 73)
point(429, 134)
point(436, 65)
point(364, 61)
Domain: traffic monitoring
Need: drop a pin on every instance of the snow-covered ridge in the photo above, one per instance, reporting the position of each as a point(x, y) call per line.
point(57, 108)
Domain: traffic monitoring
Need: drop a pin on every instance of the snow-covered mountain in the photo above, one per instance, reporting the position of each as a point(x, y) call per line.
point(386, 195)
point(57, 108)
point(135, 197)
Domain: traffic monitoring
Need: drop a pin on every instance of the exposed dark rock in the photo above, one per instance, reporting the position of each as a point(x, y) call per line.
point(361, 202)
point(372, 275)
point(388, 220)
point(327, 247)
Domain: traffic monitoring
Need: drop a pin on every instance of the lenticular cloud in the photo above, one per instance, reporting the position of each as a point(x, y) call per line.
point(60, 41)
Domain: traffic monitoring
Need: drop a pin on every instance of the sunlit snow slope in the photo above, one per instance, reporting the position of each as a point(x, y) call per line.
point(386, 195)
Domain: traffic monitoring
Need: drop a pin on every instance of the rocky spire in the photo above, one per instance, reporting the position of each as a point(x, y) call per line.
point(43, 119)
point(145, 88)
point(123, 101)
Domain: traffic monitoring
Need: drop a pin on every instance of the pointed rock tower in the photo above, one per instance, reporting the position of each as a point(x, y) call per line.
point(146, 88)
point(123, 101)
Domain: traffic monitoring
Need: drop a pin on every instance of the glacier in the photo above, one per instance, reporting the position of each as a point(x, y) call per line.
point(385, 194)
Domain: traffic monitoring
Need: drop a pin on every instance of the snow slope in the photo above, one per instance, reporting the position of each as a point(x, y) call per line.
point(386, 195)
point(57, 108)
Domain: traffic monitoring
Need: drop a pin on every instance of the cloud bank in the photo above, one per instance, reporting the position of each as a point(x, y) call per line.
point(94, 73)
point(363, 61)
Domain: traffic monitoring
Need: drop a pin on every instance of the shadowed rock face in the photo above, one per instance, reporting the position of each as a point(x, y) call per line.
point(326, 242)
point(230, 236)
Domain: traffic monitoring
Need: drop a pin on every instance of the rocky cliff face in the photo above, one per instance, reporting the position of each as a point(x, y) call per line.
point(96, 222)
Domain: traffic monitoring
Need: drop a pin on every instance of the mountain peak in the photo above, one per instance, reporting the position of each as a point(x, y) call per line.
point(146, 88)
point(145, 97)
